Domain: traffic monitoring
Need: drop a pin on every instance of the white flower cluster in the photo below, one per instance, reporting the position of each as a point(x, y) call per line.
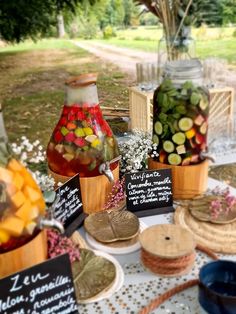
point(32, 153)
point(46, 182)
point(28, 152)
point(135, 151)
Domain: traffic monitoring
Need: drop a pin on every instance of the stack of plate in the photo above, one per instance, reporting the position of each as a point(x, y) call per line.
point(114, 232)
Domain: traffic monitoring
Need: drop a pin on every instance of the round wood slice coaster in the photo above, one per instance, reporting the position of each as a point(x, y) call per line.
point(167, 241)
point(220, 238)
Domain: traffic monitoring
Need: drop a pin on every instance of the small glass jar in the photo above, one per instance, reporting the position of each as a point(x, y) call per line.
point(82, 139)
point(180, 114)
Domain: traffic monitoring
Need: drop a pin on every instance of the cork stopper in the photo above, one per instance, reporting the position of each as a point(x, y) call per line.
point(82, 80)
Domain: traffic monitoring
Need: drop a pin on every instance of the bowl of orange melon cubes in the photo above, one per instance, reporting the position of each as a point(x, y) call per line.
point(21, 205)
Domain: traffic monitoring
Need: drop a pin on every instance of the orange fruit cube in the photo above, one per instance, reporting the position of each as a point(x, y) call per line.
point(18, 199)
point(13, 225)
point(6, 175)
point(24, 212)
point(14, 165)
point(31, 193)
point(18, 181)
point(4, 236)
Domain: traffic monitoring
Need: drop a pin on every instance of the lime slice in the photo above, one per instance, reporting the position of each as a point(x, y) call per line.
point(168, 146)
point(158, 127)
point(203, 103)
point(179, 138)
point(174, 159)
point(185, 124)
point(155, 139)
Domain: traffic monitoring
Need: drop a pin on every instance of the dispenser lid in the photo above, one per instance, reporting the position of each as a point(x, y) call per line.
point(82, 80)
point(183, 70)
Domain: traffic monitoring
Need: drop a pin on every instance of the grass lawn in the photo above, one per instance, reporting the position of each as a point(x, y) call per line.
point(32, 85)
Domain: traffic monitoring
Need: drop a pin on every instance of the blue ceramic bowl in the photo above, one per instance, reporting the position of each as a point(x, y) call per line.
point(217, 287)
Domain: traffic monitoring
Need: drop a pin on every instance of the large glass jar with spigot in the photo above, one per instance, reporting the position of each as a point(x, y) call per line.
point(180, 114)
point(82, 140)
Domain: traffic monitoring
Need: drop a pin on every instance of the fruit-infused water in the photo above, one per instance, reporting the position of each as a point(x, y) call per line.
point(82, 139)
point(21, 206)
point(180, 122)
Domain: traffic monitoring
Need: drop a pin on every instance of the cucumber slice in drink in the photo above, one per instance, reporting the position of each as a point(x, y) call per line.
point(158, 128)
point(179, 138)
point(155, 139)
point(185, 124)
point(174, 159)
point(168, 146)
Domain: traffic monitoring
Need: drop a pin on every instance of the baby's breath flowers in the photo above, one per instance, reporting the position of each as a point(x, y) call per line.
point(33, 156)
point(135, 152)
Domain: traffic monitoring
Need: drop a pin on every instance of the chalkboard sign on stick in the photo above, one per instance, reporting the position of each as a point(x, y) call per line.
point(149, 192)
point(46, 288)
point(69, 209)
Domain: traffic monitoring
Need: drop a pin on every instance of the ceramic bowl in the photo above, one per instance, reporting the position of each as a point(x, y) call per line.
point(217, 287)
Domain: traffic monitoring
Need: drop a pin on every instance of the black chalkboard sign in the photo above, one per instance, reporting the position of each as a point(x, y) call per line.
point(69, 209)
point(149, 192)
point(46, 288)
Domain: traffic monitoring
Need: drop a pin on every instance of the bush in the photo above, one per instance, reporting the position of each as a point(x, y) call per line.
point(108, 32)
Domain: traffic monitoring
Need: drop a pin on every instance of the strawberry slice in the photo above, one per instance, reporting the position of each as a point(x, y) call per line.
point(80, 142)
point(70, 137)
point(58, 137)
point(199, 138)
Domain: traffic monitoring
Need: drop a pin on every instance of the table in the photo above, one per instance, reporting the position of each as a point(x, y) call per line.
point(141, 286)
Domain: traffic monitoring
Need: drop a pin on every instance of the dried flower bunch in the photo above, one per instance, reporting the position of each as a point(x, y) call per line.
point(117, 194)
point(223, 202)
point(58, 244)
point(176, 17)
point(217, 205)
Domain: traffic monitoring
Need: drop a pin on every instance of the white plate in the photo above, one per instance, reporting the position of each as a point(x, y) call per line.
point(112, 250)
point(117, 284)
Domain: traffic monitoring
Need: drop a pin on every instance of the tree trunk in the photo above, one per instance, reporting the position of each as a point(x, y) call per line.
point(60, 26)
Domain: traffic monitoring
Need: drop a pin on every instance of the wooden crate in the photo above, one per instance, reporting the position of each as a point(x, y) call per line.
point(220, 118)
point(140, 109)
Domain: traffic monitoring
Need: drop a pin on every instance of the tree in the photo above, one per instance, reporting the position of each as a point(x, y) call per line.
point(22, 19)
point(208, 12)
point(229, 11)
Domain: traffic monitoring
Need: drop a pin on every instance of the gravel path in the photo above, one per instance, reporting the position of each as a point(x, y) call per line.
point(124, 58)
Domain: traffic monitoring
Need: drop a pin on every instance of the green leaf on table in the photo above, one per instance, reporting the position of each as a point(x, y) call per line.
point(92, 275)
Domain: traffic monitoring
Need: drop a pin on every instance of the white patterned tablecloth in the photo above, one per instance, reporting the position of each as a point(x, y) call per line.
point(141, 286)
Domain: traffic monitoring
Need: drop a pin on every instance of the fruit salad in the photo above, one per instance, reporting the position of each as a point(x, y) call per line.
point(180, 122)
point(21, 204)
point(81, 141)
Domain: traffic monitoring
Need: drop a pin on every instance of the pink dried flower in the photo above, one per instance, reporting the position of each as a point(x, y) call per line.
point(59, 244)
point(117, 194)
point(223, 204)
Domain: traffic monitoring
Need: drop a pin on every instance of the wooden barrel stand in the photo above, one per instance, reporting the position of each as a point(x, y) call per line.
point(94, 190)
point(30, 254)
point(187, 181)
